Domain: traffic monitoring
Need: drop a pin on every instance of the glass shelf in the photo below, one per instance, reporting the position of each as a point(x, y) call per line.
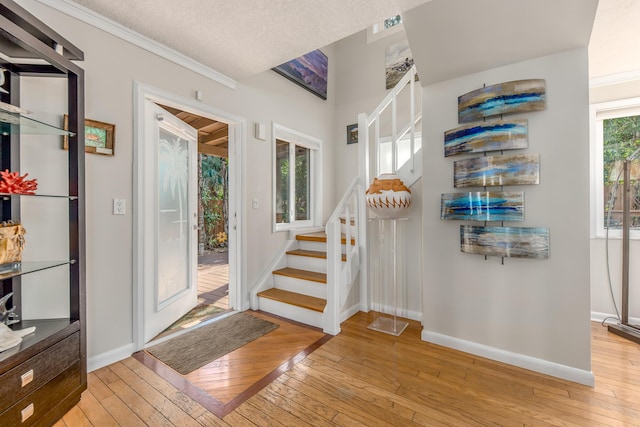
point(13, 123)
point(31, 267)
point(7, 196)
point(45, 328)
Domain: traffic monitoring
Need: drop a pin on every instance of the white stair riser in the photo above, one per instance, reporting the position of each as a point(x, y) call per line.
point(305, 287)
point(318, 265)
point(343, 229)
point(312, 246)
point(316, 246)
point(299, 314)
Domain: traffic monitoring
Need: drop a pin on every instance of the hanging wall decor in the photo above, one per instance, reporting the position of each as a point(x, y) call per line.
point(483, 206)
point(503, 98)
point(309, 71)
point(398, 60)
point(513, 169)
point(492, 135)
point(514, 242)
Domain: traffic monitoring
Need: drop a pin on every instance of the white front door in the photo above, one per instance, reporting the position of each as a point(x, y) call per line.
point(169, 219)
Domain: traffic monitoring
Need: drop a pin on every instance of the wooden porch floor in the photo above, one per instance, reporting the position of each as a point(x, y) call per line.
point(362, 377)
point(213, 279)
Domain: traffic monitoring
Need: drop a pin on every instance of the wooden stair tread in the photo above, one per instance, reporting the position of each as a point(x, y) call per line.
point(302, 274)
point(307, 253)
point(321, 236)
point(293, 298)
point(312, 254)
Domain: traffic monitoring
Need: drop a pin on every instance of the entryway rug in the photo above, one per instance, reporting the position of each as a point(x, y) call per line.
point(194, 349)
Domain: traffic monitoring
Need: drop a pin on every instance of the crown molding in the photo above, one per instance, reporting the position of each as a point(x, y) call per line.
point(613, 79)
point(96, 20)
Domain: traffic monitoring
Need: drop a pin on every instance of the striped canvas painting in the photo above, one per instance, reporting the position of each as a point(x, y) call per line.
point(514, 242)
point(483, 206)
point(486, 136)
point(504, 98)
point(512, 169)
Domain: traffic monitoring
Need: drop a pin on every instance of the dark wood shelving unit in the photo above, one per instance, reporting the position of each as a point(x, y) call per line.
point(43, 377)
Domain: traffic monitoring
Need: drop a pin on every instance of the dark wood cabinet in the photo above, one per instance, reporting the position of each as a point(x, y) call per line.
point(43, 377)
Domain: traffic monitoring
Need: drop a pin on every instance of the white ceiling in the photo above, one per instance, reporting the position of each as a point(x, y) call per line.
point(461, 37)
point(241, 38)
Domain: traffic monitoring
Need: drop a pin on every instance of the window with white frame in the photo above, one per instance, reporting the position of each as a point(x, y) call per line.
point(384, 28)
point(295, 193)
point(615, 138)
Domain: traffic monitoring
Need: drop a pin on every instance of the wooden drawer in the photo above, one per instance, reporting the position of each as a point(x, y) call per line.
point(28, 410)
point(30, 375)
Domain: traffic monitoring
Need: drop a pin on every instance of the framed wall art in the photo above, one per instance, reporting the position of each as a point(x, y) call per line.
point(352, 133)
point(309, 71)
point(99, 137)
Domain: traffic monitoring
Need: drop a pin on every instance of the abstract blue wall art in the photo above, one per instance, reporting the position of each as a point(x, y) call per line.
point(515, 242)
point(504, 98)
point(512, 169)
point(483, 206)
point(491, 135)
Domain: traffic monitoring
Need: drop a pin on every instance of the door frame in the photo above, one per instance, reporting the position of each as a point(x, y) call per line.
point(237, 240)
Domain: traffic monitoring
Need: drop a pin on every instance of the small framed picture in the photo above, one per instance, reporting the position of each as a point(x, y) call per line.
point(352, 134)
point(98, 136)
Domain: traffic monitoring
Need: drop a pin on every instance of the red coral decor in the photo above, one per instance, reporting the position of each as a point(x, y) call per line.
point(12, 182)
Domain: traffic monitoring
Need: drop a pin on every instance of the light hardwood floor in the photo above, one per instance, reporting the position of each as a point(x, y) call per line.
point(366, 378)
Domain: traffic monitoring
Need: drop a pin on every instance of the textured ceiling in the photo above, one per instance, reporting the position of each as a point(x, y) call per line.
point(241, 38)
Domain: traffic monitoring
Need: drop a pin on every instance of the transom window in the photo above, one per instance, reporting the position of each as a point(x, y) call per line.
point(296, 198)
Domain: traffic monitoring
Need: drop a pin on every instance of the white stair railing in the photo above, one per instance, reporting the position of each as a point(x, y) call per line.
point(369, 143)
point(341, 274)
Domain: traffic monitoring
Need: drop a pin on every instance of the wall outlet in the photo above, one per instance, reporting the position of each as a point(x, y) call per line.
point(118, 207)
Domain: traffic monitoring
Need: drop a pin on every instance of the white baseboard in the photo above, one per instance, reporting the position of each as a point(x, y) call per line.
point(349, 312)
point(611, 318)
point(527, 362)
point(112, 356)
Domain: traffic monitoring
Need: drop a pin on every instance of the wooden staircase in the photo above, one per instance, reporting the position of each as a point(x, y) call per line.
point(299, 290)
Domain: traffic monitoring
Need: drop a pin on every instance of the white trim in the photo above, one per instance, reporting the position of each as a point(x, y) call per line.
point(237, 212)
point(346, 314)
point(527, 362)
point(109, 26)
point(614, 79)
point(314, 145)
point(596, 316)
point(108, 357)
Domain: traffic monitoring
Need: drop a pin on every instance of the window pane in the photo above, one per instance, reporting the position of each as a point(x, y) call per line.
point(302, 195)
point(392, 22)
point(621, 138)
point(282, 182)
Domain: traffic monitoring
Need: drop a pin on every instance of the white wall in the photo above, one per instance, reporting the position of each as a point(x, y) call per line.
point(601, 302)
point(535, 311)
point(111, 67)
point(360, 87)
